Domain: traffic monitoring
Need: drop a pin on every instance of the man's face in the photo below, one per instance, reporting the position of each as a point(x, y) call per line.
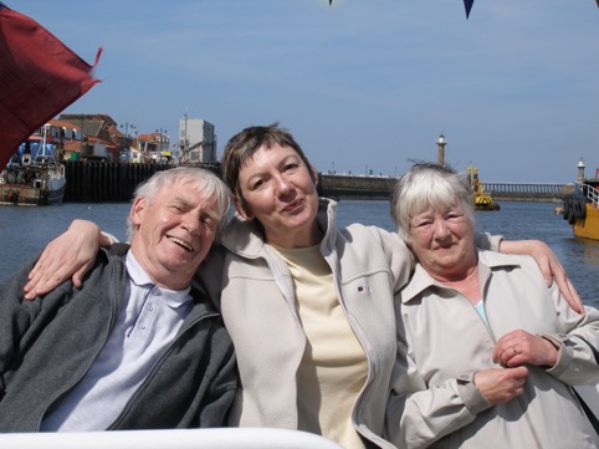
point(174, 232)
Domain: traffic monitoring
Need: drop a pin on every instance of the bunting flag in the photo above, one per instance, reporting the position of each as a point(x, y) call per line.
point(468, 6)
point(39, 77)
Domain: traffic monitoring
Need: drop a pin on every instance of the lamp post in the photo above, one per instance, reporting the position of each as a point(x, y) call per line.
point(441, 142)
point(126, 144)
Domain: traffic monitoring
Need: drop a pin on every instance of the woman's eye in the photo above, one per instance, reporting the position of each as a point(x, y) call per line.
point(256, 184)
point(422, 224)
point(455, 216)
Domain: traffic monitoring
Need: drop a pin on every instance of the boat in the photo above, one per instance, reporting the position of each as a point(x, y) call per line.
point(581, 209)
point(480, 199)
point(30, 180)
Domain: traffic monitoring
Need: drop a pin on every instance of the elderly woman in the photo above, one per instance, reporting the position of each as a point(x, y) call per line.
point(309, 306)
point(487, 353)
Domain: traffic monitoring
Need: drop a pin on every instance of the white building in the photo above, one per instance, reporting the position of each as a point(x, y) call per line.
point(197, 141)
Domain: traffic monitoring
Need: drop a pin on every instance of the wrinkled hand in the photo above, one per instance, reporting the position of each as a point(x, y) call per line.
point(519, 347)
point(550, 267)
point(501, 385)
point(71, 254)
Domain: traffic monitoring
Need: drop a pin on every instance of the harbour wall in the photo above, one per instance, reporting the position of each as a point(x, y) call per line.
point(113, 182)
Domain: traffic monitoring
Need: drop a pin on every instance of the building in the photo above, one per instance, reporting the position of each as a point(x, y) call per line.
point(101, 137)
point(197, 140)
point(151, 147)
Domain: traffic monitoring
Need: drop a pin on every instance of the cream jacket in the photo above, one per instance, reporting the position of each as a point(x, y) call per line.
point(259, 309)
point(444, 342)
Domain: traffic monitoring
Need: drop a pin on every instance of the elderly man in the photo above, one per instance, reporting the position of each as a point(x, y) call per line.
point(137, 346)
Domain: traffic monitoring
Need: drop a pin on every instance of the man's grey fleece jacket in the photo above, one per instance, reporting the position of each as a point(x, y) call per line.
point(47, 345)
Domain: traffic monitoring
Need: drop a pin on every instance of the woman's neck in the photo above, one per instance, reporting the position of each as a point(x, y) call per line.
point(292, 240)
point(468, 284)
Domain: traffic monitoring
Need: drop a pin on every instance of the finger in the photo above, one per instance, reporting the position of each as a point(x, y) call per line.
point(572, 297)
point(517, 360)
point(519, 391)
point(77, 277)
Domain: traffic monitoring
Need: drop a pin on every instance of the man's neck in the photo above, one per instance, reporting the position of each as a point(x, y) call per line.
point(161, 278)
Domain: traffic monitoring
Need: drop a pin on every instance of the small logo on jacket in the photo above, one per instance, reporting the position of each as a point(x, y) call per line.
point(364, 289)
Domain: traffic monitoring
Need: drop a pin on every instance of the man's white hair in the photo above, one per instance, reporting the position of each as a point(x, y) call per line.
point(203, 181)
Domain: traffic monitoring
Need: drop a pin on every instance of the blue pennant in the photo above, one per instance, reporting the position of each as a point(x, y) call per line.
point(468, 6)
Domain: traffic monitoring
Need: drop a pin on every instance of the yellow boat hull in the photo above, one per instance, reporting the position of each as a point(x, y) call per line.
point(588, 227)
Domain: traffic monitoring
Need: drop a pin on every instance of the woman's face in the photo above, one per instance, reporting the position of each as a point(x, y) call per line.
point(279, 191)
point(443, 241)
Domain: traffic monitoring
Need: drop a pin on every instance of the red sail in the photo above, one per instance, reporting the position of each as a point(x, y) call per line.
point(39, 77)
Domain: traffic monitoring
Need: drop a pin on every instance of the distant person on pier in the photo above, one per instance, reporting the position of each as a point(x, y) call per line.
point(137, 346)
point(309, 306)
point(487, 353)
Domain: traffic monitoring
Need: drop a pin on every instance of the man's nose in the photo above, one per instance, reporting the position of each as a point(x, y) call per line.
point(191, 223)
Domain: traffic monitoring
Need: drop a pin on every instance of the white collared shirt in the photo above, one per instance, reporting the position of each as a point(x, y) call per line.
point(147, 323)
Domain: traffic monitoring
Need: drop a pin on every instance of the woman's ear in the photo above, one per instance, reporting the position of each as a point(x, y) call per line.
point(314, 174)
point(240, 209)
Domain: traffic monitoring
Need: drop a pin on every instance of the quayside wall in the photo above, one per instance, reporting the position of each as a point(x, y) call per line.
point(112, 181)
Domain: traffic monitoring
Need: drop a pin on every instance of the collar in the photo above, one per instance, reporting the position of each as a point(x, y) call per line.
point(488, 261)
point(140, 278)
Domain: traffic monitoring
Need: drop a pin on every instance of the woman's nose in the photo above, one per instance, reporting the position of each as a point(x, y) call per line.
point(283, 185)
point(441, 228)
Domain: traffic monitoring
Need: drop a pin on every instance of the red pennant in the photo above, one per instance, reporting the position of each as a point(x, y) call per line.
point(39, 77)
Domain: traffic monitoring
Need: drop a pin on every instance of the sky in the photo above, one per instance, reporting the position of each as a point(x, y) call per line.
point(362, 84)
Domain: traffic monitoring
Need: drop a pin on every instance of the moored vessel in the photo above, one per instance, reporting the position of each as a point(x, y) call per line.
point(30, 180)
point(581, 208)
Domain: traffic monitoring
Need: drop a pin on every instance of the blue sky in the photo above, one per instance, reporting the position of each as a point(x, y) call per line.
point(365, 84)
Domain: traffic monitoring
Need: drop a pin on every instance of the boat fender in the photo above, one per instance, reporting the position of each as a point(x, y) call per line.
point(579, 209)
point(567, 209)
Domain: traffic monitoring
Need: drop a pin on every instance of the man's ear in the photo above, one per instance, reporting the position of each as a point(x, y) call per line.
point(240, 209)
point(138, 209)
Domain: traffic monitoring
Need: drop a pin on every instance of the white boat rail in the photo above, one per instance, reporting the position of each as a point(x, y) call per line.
point(589, 192)
point(225, 438)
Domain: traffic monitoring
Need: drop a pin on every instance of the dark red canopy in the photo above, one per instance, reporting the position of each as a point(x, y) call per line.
point(39, 77)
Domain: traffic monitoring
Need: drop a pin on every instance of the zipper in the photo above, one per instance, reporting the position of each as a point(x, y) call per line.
point(519, 399)
point(152, 373)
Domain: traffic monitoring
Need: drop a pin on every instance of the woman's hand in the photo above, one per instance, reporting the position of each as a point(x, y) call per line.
point(71, 254)
point(501, 385)
point(550, 267)
point(519, 347)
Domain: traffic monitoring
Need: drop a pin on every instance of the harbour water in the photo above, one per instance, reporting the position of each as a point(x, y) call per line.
point(25, 231)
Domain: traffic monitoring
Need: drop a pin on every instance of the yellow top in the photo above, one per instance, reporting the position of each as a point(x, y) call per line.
point(334, 367)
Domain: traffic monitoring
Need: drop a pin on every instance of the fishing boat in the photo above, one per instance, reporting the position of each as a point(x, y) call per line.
point(30, 180)
point(581, 206)
point(581, 209)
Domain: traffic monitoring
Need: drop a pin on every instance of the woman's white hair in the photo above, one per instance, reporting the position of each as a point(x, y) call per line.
point(203, 181)
point(428, 185)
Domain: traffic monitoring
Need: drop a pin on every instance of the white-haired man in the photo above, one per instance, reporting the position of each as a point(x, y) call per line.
point(137, 346)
